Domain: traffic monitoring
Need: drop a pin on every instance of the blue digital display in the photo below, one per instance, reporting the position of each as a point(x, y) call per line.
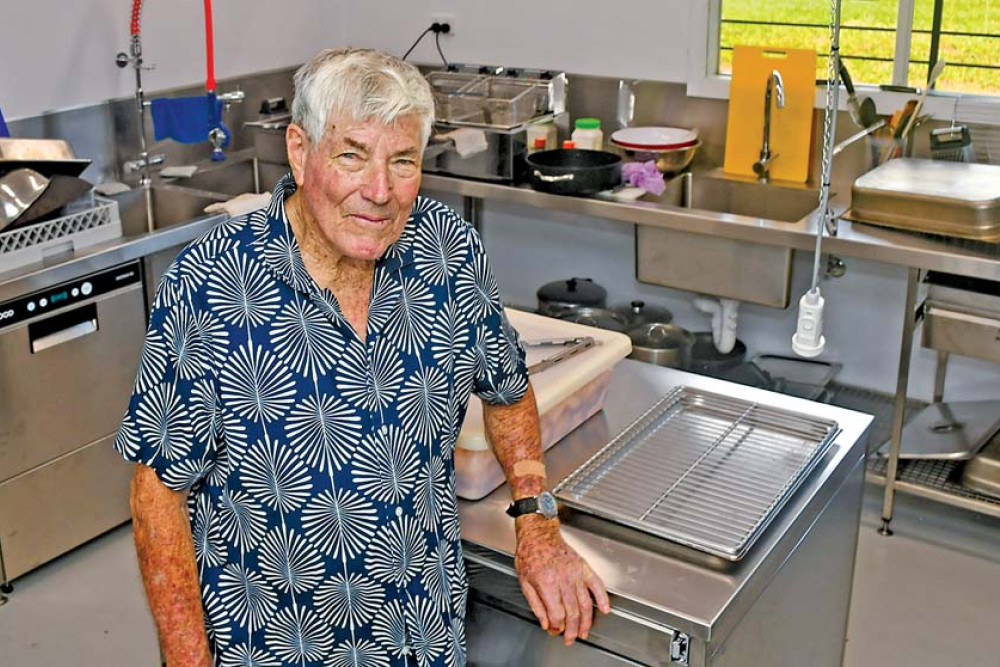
point(61, 296)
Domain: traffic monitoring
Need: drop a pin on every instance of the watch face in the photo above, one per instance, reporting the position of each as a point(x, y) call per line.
point(547, 505)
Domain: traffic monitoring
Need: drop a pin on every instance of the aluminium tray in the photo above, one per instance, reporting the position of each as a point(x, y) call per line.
point(701, 469)
point(932, 196)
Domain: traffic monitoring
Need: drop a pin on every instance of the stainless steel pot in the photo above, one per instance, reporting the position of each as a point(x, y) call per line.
point(662, 344)
point(638, 313)
point(594, 317)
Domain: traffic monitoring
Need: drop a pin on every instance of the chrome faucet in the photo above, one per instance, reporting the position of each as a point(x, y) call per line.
point(775, 85)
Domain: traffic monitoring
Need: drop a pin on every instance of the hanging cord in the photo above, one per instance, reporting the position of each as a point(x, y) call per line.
point(437, 43)
point(414, 45)
point(437, 29)
point(829, 128)
point(808, 340)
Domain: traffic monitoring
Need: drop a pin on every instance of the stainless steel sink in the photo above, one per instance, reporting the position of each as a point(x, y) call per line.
point(239, 174)
point(711, 264)
point(232, 177)
point(752, 199)
point(170, 206)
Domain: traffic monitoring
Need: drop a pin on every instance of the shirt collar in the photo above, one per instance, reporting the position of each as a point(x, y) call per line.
point(280, 249)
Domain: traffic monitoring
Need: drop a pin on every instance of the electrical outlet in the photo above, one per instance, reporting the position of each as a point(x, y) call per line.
point(445, 18)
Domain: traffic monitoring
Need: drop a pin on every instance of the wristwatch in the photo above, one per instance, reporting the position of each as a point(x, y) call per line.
point(544, 503)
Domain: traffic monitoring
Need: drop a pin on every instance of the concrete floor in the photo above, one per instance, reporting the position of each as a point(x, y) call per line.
point(930, 595)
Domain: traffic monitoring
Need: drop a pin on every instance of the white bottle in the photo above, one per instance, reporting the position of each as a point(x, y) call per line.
point(588, 134)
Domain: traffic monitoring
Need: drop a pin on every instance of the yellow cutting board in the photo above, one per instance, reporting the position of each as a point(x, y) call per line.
point(791, 127)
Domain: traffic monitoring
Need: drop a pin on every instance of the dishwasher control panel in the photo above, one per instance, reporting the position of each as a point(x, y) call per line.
point(67, 294)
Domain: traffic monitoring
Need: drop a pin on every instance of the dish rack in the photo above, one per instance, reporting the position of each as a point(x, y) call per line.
point(87, 223)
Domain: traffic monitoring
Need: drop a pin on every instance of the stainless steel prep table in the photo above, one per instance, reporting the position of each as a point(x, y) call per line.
point(786, 603)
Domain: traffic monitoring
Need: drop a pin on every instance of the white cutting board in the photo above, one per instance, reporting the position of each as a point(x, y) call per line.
point(559, 382)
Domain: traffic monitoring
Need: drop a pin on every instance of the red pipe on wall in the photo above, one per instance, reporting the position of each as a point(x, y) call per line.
point(209, 48)
point(134, 27)
point(136, 15)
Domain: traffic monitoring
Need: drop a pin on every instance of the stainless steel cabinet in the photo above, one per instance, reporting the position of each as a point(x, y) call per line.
point(67, 362)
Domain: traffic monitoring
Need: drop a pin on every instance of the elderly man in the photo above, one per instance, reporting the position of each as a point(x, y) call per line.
point(306, 373)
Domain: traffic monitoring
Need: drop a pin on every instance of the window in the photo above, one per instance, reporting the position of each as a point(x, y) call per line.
point(966, 33)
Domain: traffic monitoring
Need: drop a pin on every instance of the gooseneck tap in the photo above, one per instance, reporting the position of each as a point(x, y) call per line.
point(775, 87)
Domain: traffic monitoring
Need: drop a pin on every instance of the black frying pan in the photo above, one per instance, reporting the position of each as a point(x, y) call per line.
point(573, 171)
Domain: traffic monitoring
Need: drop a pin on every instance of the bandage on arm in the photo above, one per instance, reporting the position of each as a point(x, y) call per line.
point(526, 468)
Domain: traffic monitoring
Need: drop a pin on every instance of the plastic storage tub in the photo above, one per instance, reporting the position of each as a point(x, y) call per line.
point(567, 395)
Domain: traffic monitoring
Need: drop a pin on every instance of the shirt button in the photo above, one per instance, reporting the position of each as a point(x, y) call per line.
point(399, 511)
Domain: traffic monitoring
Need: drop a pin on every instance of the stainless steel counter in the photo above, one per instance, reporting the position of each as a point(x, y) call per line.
point(855, 240)
point(660, 587)
point(68, 266)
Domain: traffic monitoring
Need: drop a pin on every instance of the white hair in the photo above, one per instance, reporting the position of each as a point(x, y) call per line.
point(362, 84)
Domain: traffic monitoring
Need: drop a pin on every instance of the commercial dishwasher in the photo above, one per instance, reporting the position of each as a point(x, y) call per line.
point(68, 357)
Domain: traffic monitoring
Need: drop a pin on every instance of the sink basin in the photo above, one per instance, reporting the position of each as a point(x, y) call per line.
point(232, 177)
point(171, 206)
point(752, 199)
point(706, 263)
point(239, 174)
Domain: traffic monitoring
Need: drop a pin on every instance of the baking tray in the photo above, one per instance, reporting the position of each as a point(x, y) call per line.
point(700, 469)
point(794, 376)
point(931, 196)
point(953, 431)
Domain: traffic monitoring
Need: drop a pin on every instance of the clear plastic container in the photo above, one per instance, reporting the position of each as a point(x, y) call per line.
point(546, 132)
point(588, 134)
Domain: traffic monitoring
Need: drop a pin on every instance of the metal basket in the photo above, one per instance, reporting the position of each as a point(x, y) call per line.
point(97, 222)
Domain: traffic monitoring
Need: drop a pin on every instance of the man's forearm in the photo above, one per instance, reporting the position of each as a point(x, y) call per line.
point(169, 569)
point(513, 431)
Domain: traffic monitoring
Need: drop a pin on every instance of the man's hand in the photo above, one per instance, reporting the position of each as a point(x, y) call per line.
point(556, 581)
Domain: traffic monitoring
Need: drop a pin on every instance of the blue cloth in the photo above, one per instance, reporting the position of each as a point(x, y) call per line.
point(321, 465)
point(186, 119)
point(4, 132)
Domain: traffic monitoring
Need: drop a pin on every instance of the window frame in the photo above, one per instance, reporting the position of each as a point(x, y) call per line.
point(704, 81)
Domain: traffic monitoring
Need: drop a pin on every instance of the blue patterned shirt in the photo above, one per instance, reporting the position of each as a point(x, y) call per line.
point(320, 466)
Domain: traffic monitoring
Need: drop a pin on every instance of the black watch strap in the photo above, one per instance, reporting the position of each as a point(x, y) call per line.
point(523, 506)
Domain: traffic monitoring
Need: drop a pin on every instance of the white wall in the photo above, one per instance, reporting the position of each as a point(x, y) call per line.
point(643, 39)
point(57, 54)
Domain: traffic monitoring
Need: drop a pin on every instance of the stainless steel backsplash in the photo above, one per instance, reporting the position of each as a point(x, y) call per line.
point(106, 132)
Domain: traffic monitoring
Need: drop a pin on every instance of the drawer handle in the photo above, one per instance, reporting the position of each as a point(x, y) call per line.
point(615, 611)
point(64, 336)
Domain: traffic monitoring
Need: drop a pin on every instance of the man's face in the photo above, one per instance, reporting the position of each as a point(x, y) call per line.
point(359, 182)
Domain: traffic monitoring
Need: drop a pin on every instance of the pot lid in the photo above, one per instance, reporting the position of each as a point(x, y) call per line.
point(579, 291)
point(594, 317)
point(638, 313)
point(659, 336)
